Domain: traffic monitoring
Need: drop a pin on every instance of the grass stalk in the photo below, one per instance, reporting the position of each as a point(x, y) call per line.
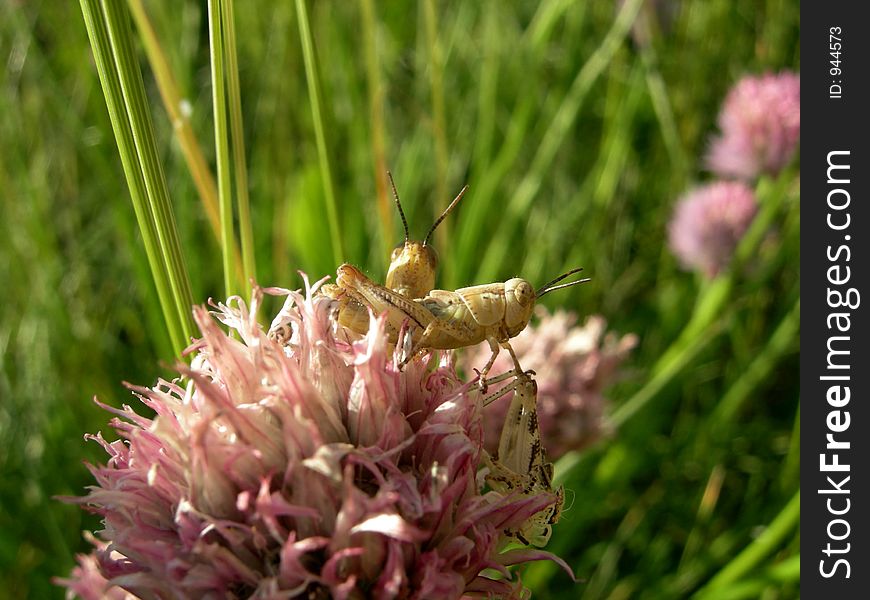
point(607, 568)
point(477, 215)
point(319, 131)
point(790, 473)
point(439, 125)
point(172, 102)
point(487, 97)
point(706, 506)
point(133, 88)
point(647, 32)
point(658, 93)
point(774, 577)
point(665, 370)
point(781, 342)
point(191, 150)
point(237, 136)
point(763, 546)
point(221, 140)
point(519, 202)
point(176, 311)
point(376, 93)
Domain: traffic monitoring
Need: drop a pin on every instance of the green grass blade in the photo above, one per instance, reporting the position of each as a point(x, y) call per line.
point(319, 131)
point(756, 552)
point(769, 583)
point(781, 342)
point(98, 35)
point(376, 94)
point(790, 473)
point(237, 131)
point(202, 176)
point(439, 125)
point(661, 102)
point(133, 90)
point(221, 140)
point(665, 370)
point(487, 97)
point(519, 203)
point(191, 149)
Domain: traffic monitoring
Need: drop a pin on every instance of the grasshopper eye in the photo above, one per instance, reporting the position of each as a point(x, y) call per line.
point(397, 251)
point(524, 293)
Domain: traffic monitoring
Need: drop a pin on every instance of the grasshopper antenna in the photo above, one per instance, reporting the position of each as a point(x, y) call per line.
point(399, 206)
point(444, 214)
point(551, 286)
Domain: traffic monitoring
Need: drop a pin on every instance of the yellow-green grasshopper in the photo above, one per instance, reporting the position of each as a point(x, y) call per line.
point(411, 272)
point(519, 466)
point(444, 320)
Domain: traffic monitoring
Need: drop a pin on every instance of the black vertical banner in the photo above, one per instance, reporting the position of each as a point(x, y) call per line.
point(835, 300)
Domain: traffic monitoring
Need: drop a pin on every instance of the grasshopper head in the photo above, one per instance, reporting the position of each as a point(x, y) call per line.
point(413, 264)
point(519, 301)
point(412, 269)
point(520, 298)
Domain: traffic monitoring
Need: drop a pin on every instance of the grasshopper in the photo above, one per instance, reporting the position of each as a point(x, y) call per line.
point(519, 465)
point(444, 320)
point(411, 272)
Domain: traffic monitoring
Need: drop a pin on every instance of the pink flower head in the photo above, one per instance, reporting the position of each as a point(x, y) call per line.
point(761, 125)
point(708, 223)
point(293, 464)
point(573, 366)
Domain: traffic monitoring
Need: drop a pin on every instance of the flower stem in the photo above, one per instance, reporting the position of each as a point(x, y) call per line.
point(760, 368)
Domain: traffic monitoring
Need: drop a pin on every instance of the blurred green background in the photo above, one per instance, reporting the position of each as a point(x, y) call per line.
point(575, 134)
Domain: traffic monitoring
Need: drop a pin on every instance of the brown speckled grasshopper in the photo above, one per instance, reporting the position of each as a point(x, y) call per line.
point(411, 273)
point(443, 320)
point(519, 465)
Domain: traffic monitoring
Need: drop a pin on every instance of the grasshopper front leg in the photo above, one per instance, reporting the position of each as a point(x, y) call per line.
point(352, 313)
point(352, 282)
